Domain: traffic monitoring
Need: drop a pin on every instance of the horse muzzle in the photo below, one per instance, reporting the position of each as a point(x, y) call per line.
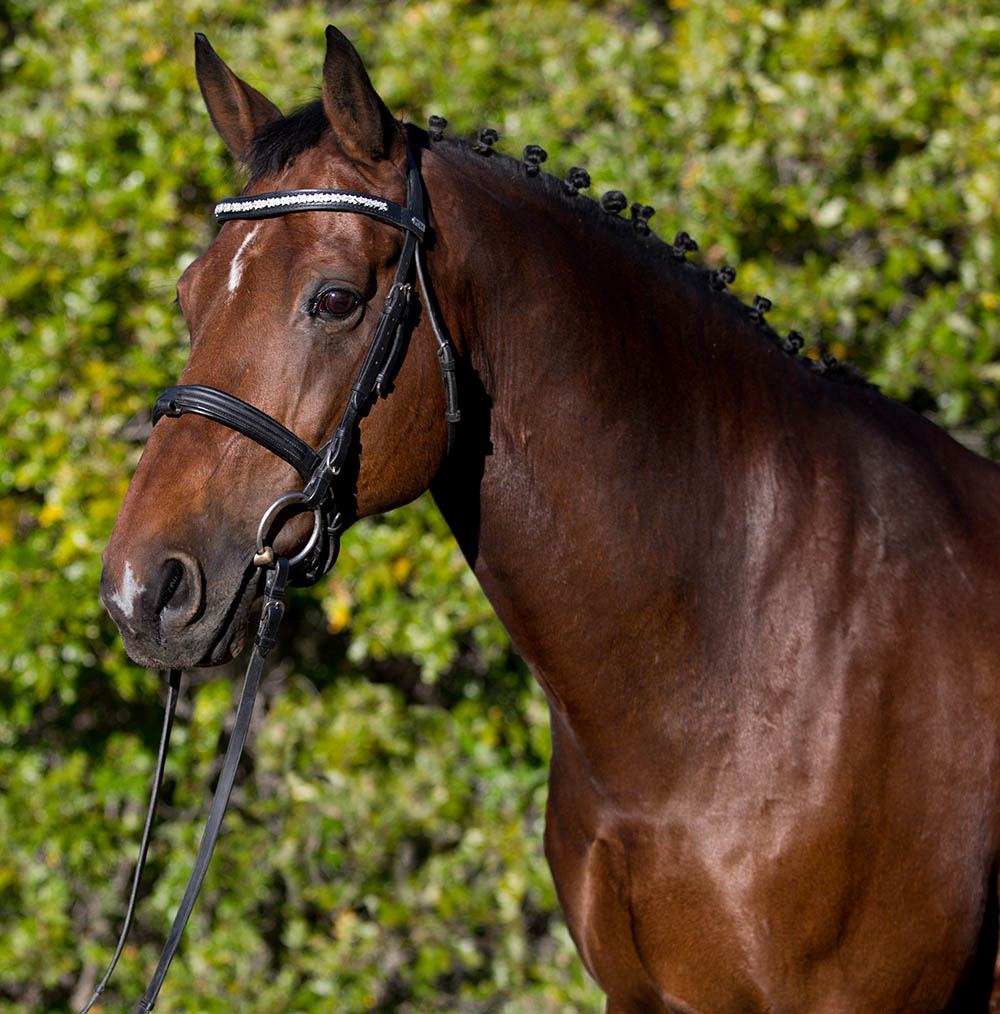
point(167, 614)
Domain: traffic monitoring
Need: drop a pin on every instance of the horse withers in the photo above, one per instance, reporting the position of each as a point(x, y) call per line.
point(762, 605)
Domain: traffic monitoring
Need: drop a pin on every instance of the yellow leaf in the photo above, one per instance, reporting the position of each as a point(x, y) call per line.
point(51, 513)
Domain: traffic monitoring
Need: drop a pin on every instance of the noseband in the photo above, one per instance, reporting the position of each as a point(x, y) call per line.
point(319, 470)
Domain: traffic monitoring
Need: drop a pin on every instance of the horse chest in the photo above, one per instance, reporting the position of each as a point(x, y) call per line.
point(686, 908)
point(649, 929)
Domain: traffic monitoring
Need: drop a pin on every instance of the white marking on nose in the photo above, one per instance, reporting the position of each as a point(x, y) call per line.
point(125, 597)
point(236, 268)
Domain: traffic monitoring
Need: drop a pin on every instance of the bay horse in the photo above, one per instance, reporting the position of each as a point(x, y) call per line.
point(764, 607)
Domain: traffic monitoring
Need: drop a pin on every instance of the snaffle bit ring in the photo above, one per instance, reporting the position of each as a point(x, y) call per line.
point(264, 556)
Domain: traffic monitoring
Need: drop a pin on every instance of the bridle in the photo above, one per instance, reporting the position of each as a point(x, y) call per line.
point(319, 470)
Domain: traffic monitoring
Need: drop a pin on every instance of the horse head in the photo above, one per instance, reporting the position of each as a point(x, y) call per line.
point(282, 313)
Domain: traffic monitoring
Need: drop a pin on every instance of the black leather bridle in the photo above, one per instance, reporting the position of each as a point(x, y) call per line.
point(319, 470)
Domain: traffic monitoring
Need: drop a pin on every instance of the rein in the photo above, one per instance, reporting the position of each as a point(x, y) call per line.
point(319, 470)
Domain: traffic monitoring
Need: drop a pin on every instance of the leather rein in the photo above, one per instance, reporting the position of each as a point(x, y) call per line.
point(319, 470)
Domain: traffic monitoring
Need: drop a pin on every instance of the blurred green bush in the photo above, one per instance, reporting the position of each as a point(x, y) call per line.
point(386, 852)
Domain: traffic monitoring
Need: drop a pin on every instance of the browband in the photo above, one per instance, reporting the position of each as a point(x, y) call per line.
point(286, 202)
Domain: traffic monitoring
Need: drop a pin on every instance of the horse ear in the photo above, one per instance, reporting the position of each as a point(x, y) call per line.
point(365, 128)
point(237, 110)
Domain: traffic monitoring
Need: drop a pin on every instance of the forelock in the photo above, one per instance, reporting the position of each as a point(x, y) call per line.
point(280, 142)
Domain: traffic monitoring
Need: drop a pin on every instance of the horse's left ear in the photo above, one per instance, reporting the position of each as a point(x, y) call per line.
point(237, 110)
point(364, 127)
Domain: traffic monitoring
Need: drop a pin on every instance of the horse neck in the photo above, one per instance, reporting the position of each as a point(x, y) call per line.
point(630, 424)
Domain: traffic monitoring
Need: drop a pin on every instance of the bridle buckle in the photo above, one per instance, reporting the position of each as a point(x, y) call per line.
point(264, 558)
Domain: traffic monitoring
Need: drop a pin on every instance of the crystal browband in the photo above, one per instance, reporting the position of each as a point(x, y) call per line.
point(274, 204)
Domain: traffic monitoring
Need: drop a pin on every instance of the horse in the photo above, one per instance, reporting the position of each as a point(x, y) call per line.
point(762, 604)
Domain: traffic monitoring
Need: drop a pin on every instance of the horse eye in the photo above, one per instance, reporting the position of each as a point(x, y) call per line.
point(335, 303)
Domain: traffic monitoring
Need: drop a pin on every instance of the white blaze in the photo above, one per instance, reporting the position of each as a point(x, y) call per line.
point(236, 268)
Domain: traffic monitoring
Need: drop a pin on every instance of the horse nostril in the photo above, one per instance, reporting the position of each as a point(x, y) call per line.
point(173, 575)
point(179, 599)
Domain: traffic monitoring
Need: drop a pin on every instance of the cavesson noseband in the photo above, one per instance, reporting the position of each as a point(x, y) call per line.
point(319, 470)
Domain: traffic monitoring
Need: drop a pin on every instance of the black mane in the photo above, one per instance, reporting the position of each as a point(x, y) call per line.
point(604, 214)
point(280, 142)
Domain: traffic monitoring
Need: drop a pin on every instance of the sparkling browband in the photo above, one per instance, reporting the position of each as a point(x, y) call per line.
point(287, 201)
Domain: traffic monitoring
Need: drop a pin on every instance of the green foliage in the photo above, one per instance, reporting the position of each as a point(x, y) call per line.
point(385, 854)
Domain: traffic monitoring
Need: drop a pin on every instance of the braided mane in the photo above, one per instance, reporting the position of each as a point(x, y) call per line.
point(279, 143)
